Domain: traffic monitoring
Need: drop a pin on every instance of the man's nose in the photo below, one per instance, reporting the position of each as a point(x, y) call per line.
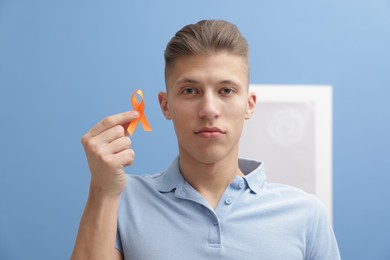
point(209, 106)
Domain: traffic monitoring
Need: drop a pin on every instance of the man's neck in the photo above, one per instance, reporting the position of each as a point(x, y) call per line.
point(210, 180)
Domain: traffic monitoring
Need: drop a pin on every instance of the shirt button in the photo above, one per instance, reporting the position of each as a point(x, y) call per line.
point(241, 185)
point(215, 221)
point(228, 201)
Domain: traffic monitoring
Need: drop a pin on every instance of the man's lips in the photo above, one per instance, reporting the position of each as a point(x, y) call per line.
point(209, 132)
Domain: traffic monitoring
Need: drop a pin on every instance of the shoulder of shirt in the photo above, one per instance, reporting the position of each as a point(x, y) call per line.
point(289, 192)
point(154, 179)
point(146, 177)
point(285, 188)
point(302, 201)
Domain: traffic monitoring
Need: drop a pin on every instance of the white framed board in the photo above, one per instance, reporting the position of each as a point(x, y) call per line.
point(291, 132)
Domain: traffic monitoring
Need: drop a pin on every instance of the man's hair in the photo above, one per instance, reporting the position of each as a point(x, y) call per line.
point(206, 37)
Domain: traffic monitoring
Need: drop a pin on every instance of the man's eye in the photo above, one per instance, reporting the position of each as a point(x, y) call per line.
point(189, 91)
point(226, 91)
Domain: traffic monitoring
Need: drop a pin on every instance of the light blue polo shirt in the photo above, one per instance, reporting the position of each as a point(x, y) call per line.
point(163, 217)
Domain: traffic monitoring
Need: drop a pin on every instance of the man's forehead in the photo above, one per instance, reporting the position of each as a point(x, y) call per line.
point(219, 68)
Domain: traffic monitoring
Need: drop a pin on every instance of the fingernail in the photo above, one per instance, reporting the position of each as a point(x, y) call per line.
point(135, 113)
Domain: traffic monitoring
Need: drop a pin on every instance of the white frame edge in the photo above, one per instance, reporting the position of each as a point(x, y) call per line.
point(322, 97)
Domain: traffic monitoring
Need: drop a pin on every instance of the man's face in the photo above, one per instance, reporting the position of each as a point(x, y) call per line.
point(207, 99)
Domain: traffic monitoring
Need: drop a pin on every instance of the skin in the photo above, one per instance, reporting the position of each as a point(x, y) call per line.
point(208, 101)
point(108, 151)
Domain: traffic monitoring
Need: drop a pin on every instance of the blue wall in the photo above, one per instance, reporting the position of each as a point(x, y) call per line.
point(66, 64)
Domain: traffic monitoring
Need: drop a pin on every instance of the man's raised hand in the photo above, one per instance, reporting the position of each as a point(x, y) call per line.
point(108, 151)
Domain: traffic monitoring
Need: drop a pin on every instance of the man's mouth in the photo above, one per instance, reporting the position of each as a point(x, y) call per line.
point(209, 132)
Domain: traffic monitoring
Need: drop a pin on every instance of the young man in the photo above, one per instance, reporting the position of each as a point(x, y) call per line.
point(208, 204)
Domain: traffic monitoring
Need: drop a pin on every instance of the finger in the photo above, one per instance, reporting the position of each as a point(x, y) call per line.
point(125, 157)
point(117, 145)
point(110, 135)
point(109, 122)
point(96, 143)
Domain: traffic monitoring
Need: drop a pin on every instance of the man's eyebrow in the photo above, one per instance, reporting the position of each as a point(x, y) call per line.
point(222, 82)
point(229, 82)
point(185, 80)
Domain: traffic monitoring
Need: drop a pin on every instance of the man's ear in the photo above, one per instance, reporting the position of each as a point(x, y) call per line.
point(250, 105)
point(163, 100)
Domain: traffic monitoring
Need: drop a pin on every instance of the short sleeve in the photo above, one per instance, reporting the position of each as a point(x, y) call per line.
point(321, 241)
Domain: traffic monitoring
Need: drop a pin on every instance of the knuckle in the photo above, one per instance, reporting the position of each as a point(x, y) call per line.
point(127, 141)
point(119, 130)
point(107, 121)
point(106, 159)
point(130, 153)
point(92, 145)
point(84, 139)
point(88, 142)
point(130, 156)
point(94, 148)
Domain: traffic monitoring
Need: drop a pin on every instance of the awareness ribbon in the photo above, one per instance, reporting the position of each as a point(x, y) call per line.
point(139, 107)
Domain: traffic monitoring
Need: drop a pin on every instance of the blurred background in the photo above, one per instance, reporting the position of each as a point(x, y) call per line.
point(64, 65)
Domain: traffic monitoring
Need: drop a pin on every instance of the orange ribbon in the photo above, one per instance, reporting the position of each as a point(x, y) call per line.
point(139, 107)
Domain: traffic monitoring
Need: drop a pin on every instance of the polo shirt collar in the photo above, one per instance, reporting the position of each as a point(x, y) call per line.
point(254, 174)
point(171, 177)
point(253, 170)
